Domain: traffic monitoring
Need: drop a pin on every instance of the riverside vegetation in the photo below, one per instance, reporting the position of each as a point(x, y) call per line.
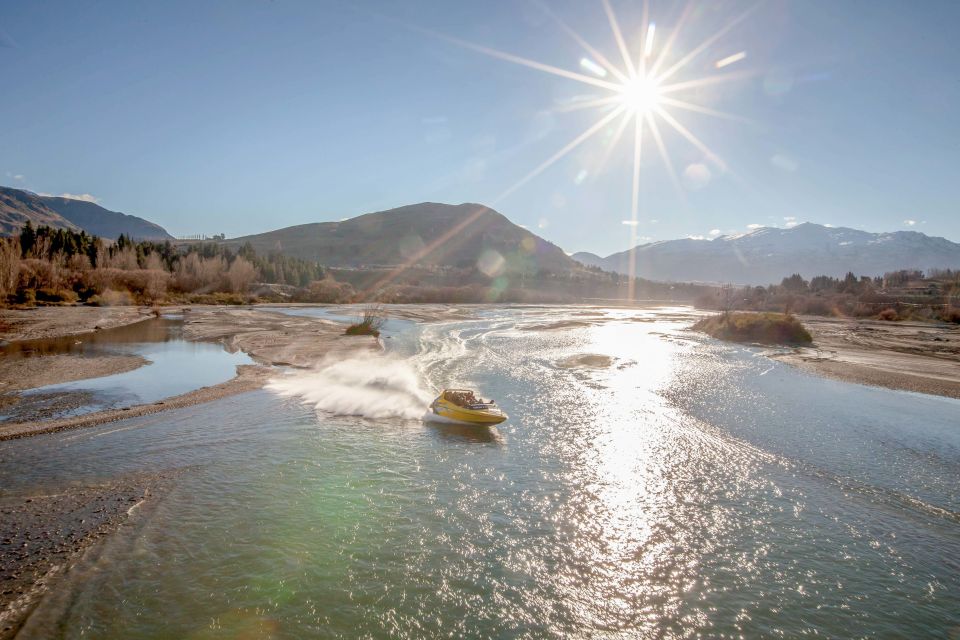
point(58, 266)
point(897, 295)
point(764, 328)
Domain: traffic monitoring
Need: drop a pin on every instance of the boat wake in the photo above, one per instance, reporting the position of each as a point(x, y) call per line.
point(374, 386)
point(430, 416)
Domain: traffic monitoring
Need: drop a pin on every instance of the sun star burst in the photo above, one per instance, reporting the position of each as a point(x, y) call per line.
point(641, 93)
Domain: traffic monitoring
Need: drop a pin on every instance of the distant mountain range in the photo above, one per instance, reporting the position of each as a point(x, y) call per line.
point(473, 235)
point(18, 206)
point(768, 254)
point(429, 233)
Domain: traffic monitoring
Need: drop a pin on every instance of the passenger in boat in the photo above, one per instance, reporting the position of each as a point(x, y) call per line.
point(463, 398)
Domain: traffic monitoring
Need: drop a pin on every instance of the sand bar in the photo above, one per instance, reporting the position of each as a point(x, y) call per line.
point(908, 356)
point(50, 322)
point(269, 337)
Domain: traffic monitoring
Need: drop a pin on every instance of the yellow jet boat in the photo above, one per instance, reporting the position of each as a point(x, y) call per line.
point(462, 406)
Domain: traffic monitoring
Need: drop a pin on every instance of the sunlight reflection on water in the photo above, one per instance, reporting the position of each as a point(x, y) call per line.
point(675, 491)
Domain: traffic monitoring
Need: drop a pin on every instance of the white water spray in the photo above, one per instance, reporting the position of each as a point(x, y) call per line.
point(373, 386)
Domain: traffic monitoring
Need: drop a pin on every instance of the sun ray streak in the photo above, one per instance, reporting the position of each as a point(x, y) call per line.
point(627, 117)
point(668, 45)
point(646, 39)
point(618, 36)
point(703, 82)
point(694, 140)
point(635, 201)
point(587, 104)
point(533, 64)
point(658, 140)
point(436, 245)
point(562, 152)
point(689, 106)
point(706, 43)
point(597, 56)
point(637, 152)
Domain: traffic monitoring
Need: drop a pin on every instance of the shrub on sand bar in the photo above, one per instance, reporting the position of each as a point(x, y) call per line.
point(764, 328)
point(370, 324)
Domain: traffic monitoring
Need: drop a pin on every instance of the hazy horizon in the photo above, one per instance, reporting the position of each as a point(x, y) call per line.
point(242, 118)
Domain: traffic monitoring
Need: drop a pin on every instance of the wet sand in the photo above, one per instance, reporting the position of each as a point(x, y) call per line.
point(423, 312)
point(50, 322)
point(270, 338)
point(248, 378)
point(19, 374)
point(273, 338)
point(45, 323)
point(907, 356)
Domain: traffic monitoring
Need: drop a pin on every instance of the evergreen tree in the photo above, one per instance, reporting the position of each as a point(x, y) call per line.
point(28, 238)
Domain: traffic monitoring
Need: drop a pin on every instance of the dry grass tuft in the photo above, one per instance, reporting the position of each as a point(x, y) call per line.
point(370, 324)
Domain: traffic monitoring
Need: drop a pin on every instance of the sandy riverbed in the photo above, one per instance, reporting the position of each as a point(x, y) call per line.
point(422, 312)
point(269, 337)
point(49, 322)
point(908, 356)
point(46, 323)
point(19, 374)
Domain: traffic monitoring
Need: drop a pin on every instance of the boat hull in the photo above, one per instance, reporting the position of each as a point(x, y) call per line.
point(464, 415)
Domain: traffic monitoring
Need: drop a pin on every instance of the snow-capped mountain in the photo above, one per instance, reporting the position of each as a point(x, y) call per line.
point(769, 254)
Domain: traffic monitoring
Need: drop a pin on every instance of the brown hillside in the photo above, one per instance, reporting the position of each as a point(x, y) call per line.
point(430, 234)
point(18, 206)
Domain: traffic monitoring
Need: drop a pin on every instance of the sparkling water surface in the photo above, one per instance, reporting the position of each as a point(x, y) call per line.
point(649, 483)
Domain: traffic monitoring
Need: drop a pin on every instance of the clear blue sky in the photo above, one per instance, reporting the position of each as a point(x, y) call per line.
point(243, 116)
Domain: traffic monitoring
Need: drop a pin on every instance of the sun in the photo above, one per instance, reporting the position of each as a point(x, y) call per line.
point(641, 95)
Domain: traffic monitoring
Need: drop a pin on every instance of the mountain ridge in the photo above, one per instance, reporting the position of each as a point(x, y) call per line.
point(102, 222)
point(768, 254)
point(427, 233)
point(471, 235)
point(17, 206)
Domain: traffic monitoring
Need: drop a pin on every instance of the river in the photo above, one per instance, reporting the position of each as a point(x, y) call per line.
point(650, 482)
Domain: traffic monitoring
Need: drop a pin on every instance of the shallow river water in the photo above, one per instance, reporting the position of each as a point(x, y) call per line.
point(649, 483)
point(173, 366)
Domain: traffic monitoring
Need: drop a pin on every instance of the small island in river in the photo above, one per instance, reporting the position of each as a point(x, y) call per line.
point(763, 328)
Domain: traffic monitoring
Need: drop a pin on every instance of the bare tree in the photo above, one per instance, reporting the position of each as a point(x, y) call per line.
point(212, 273)
point(240, 274)
point(125, 258)
point(728, 299)
point(9, 265)
point(154, 262)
